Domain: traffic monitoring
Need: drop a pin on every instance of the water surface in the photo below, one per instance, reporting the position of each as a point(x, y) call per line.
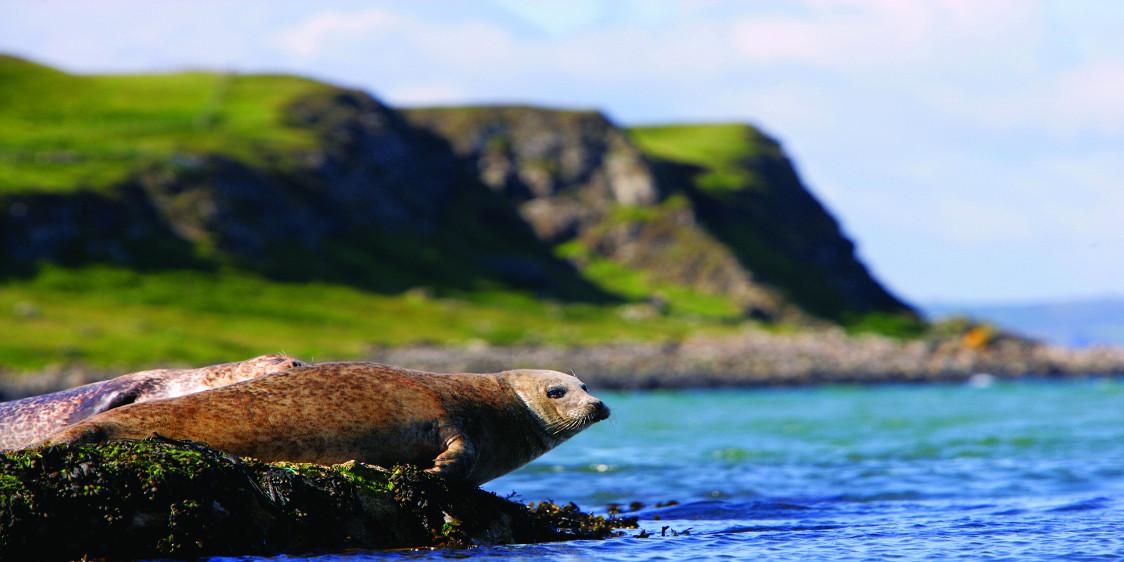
point(1021, 470)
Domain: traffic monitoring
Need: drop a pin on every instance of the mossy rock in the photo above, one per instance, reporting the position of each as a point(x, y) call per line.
point(160, 497)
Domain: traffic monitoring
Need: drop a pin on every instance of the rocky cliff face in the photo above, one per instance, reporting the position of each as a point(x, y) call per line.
point(758, 236)
point(779, 231)
point(563, 169)
point(457, 198)
point(376, 202)
point(124, 228)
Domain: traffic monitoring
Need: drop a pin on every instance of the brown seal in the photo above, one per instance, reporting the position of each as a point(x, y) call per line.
point(468, 426)
point(24, 422)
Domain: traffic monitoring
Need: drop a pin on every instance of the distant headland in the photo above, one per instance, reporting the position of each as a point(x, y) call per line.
point(199, 217)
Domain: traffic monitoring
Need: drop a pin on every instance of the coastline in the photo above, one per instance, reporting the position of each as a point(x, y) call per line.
point(753, 358)
point(757, 358)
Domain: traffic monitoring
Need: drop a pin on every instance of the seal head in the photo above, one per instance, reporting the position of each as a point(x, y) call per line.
point(561, 402)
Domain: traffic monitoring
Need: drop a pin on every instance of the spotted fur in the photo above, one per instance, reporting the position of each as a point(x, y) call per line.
point(473, 427)
point(24, 422)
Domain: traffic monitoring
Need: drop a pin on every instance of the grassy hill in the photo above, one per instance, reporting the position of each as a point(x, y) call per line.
point(200, 217)
point(746, 193)
point(115, 318)
point(64, 132)
point(718, 148)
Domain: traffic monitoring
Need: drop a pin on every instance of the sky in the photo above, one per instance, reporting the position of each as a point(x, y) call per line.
point(973, 149)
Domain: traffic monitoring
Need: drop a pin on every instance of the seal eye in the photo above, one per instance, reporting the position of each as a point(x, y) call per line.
point(584, 388)
point(555, 392)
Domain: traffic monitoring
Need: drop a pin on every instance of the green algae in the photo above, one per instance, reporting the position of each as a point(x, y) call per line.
point(159, 497)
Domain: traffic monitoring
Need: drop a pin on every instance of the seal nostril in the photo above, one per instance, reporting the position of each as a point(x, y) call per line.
point(602, 410)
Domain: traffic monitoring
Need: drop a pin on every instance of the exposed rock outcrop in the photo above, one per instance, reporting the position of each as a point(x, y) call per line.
point(376, 202)
point(765, 242)
point(124, 228)
point(781, 233)
point(564, 169)
point(164, 498)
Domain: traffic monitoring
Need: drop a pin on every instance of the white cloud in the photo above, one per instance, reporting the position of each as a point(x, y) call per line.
point(1090, 97)
point(1087, 98)
point(876, 34)
point(433, 93)
point(321, 32)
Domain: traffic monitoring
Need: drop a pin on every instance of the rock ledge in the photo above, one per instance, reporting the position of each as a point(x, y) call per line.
point(159, 497)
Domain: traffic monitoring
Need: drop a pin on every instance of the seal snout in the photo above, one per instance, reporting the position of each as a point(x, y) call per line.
point(600, 411)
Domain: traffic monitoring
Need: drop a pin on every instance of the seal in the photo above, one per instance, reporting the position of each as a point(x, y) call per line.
point(24, 422)
point(465, 426)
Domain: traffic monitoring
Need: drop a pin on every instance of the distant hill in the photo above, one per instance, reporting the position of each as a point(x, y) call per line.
point(1077, 323)
point(196, 215)
point(714, 207)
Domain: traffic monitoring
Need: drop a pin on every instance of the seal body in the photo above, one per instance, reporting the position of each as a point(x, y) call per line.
point(473, 427)
point(24, 422)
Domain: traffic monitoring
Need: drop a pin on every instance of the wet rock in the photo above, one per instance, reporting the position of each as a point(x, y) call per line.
point(160, 498)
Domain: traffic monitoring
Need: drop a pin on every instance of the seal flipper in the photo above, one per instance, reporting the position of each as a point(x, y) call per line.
point(82, 433)
point(457, 460)
point(110, 400)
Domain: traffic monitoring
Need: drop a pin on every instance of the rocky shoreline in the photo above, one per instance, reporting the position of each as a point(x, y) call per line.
point(752, 358)
point(758, 358)
point(164, 498)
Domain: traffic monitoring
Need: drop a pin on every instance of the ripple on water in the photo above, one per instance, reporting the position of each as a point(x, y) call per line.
point(1085, 505)
point(704, 510)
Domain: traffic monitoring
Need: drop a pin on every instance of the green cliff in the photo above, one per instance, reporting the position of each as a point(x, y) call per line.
point(747, 195)
point(716, 208)
point(192, 217)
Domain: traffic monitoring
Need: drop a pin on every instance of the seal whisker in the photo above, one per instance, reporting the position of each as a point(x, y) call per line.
point(560, 427)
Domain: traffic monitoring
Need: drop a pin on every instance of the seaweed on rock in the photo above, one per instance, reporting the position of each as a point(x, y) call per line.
point(160, 497)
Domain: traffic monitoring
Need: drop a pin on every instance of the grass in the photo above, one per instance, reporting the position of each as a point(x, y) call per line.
point(118, 319)
point(624, 214)
point(720, 148)
point(638, 285)
point(750, 212)
point(61, 132)
point(893, 325)
point(458, 121)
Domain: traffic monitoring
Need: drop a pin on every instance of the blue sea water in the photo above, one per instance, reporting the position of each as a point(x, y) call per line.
point(1012, 470)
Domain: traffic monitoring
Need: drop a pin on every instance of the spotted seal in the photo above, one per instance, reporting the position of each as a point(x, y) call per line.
point(23, 422)
point(473, 427)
